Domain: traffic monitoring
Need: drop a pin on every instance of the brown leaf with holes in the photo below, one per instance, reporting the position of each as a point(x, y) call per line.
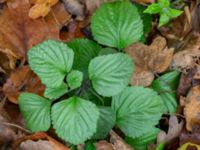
point(19, 33)
point(22, 80)
point(39, 140)
point(192, 108)
point(151, 59)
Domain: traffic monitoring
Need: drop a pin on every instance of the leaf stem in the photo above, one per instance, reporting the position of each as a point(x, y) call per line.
point(99, 97)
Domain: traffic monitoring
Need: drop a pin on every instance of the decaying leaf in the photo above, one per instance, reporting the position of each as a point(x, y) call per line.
point(192, 108)
point(21, 80)
point(155, 58)
point(189, 146)
point(7, 61)
point(173, 131)
point(19, 33)
point(58, 16)
point(103, 145)
point(39, 141)
point(118, 143)
point(75, 7)
point(41, 8)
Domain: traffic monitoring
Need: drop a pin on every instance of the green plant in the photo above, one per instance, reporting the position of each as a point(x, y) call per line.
point(94, 81)
point(162, 7)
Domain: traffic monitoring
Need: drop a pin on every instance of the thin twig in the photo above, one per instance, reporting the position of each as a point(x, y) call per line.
point(16, 126)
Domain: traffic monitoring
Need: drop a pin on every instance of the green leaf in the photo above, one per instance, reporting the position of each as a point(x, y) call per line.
point(137, 110)
point(166, 86)
point(36, 111)
point(164, 3)
point(175, 13)
point(154, 8)
point(110, 74)
point(74, 79)
point(105, 123)
point(117, 24)
point(89, 146)
point(55, 92)
point(84, 51)
point(146, 18)
point(51, 61)
point(75, 119)
point(142, 142)
point(106, 51)
point(164, 19)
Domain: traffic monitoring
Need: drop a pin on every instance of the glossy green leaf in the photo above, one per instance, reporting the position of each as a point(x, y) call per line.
point(106, 51)
point(36, 111)
point(84, 51)
point(166, 86)
point(74, 79)
point(110, 74)
point(142, 142)
point(105, 123)
point(137, 110)
point(117, 24)
point(175, 13)
point(164, 19)
point(75, 119)
point(154, 8)
point(55, 92)
point(51, 61)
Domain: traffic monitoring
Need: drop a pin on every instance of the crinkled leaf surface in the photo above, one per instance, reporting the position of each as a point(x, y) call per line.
point(117, 24)
point(110, 74)
point(84, 51)
point(137, 110)
point(75, 119)
point(166, 86)
point(105, 123)
point(55, 92)
point(74, 79)
point(36, 111)
point(51, 61)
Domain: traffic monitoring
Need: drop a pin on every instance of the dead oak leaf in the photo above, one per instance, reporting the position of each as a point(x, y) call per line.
point(22, 80)
point(151, 59)
point(192, 108)
point(19, 33)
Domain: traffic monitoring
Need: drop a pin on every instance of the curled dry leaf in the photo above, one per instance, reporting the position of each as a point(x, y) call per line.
point(155, 58)
point(22, 80)
point(118, 143)
point(173, 131)
point(39, 140)
point(38, 145)
point(192, 108)
point(75, 7)
point(19, 33)
point(7, 61)
point(41, 8)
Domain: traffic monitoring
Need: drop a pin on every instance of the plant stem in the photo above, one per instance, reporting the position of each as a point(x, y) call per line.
point(99, 97)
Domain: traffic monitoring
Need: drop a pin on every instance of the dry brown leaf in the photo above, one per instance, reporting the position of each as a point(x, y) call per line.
point(21, 80)
point(55, 145)
point(103, 145)
point(192, 108)
point(173, 131)
point(75, 7)
point(92, 5)
point(19, 33)
point(118, 143)
point(144, 1)
point(41, 8)
point(155, 58)
point(58, 16)
point(7, 61)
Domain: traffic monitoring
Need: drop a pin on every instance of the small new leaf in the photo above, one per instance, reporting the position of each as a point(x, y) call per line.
point(75, 119)
point(74, 79)
point(51, 61)
point(163, 8)
point(36, 111)
point(55, 92)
